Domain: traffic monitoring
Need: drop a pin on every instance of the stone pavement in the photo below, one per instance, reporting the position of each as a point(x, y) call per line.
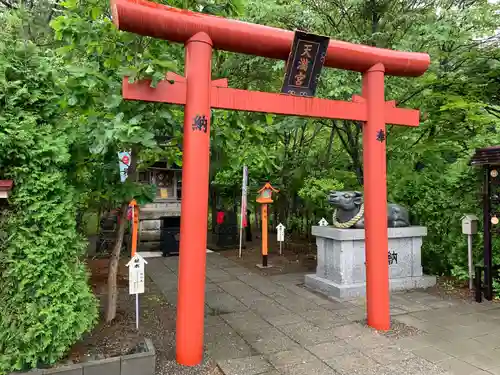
point(272, 325)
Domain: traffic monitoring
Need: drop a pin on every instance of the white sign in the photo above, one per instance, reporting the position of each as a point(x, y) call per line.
point(136, 274)
point(124, 162)
point(323, 222)
point(281, 232)
point(281, 236)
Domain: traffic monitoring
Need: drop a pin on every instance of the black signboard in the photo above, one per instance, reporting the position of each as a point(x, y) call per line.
point(304, 64)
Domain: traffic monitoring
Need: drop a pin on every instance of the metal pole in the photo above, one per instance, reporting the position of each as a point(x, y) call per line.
point(375, 192)
point(137, 311)
point(241, 236)
point(281, 252)
point(471, 279)
point(194, 211)
point(488, 280)
point(478, 286)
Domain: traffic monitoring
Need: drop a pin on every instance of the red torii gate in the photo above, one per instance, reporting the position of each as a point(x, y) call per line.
point(201, 33)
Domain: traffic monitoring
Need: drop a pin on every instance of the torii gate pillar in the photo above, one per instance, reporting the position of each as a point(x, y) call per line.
point(375, 200)
point(194, 210)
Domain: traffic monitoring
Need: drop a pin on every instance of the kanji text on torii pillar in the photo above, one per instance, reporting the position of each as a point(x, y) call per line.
point(201, 34)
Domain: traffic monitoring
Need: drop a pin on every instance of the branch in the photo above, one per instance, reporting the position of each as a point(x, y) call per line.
point(349, 19)
point(419, 138)
point(493, 111)
point(329, 18)
point(318, 128)
point(7, 4)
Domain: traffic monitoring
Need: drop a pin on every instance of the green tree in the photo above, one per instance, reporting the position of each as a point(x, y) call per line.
point(427, 166)
point(98, 57)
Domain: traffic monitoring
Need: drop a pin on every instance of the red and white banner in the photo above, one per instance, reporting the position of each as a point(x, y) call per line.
point(243, 214)
point(244, 190)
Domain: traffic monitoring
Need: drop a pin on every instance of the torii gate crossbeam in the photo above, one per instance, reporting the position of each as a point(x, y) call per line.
point(201, 33)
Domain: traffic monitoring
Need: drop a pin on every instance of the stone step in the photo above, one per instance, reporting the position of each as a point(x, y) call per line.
point(150, 235)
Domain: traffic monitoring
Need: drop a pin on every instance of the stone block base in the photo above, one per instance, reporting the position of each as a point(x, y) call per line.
point(351, 291)
point(142, 363)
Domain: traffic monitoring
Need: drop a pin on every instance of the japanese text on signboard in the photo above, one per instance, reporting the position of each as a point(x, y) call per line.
point(305, 64)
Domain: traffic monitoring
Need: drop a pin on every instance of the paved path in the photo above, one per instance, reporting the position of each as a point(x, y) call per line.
point(272, 325)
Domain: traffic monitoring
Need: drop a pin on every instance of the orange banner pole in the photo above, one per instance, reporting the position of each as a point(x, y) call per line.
point(135, 225)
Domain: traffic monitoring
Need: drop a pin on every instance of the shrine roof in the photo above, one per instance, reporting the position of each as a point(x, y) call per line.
point(486, 156)
point(6, 185)
point(268, 186)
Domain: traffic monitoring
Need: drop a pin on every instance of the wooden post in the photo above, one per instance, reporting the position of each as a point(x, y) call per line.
point(264, 198)
point(264, 235)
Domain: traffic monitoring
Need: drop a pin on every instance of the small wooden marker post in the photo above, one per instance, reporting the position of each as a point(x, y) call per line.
point(323, 222)
point(264, 199)
point(280, 229)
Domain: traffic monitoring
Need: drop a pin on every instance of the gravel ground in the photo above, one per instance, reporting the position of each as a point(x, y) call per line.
point(159, 326)
point(397, 331)
point(298, 256)
point(170, 367)
point(157, 322)
point(448, 287)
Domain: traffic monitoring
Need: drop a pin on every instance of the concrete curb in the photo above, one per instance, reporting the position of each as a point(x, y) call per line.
point(130, 364)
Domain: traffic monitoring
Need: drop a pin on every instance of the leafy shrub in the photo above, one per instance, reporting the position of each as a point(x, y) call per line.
point(46, 301)
point(437, 198)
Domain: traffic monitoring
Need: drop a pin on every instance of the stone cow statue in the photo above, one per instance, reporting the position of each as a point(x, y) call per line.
point(349, 211)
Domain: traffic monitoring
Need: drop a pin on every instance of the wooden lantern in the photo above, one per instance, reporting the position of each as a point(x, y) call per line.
point(266, 193)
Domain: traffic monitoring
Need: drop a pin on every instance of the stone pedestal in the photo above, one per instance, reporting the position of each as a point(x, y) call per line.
point(341, 270)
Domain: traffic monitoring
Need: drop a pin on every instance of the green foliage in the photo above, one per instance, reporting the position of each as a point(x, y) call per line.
point(41, 100)
point(428, 169)
point(96, 57)
point(46, 301)
point(438, 198)
point(314, 194)
point(90, 223)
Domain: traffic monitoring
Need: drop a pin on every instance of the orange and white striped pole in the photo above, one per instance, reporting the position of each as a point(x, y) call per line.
point(135, 225)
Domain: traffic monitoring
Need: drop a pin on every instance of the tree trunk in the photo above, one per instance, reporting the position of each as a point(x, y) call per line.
point(113, 265)
point(236, 200)
point(326, 162)
point(248, 229)
point(110, 312)
point(257, 217)
point(351, 144)
point(213, 192)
